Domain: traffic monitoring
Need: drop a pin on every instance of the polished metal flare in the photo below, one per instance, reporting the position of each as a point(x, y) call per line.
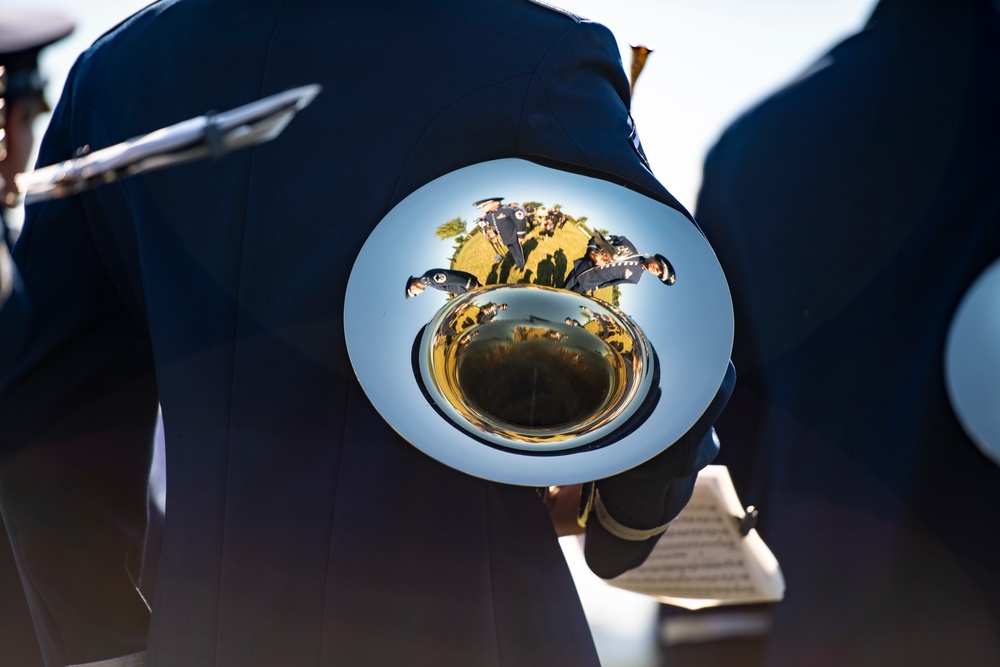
point(535, 378)
point(538, 327)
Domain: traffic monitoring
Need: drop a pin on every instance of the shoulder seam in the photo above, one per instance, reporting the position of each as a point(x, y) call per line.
point(126, 20)
point(545, 93)
point(558, 10)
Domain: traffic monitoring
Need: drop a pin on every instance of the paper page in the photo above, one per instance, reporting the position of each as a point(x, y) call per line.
point(703, 560)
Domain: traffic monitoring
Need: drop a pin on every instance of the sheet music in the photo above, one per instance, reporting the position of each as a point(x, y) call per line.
point(703, 560)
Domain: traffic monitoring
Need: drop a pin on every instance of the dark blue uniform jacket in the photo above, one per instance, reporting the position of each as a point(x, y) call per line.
point(851, 211)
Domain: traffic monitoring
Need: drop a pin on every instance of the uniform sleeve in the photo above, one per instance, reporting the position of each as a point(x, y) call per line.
point(576, 117)
point(576, 113)
point(639, 503)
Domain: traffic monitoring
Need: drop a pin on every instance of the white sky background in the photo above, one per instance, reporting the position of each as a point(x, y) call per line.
point(712, 59)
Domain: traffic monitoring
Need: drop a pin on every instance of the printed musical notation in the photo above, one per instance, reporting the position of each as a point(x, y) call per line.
point(703, 559)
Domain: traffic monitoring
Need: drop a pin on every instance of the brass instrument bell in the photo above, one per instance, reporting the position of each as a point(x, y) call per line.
point(516, 373)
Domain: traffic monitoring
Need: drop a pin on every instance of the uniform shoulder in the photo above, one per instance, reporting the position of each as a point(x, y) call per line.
point(104, 54)
point(152, 8)
point(558, 10)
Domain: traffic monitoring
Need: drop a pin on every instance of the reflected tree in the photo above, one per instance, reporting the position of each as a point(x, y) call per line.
point(451, 229)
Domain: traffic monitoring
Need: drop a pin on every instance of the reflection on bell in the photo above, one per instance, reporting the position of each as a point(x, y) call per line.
point(549, 370)
point(540, 355)
point(535, 383)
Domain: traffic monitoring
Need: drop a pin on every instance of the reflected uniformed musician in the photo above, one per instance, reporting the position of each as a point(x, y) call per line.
point(489, 311)
point(446, 280)
point(599, 268)
point(510, 223)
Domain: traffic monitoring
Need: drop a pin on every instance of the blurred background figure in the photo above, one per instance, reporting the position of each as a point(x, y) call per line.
point(852, 210)
point(23, 34)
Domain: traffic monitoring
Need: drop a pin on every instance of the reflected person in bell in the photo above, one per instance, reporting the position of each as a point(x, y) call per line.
point(446, 280)
point(511, 224)
point(598, 268)
point(488, 312)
